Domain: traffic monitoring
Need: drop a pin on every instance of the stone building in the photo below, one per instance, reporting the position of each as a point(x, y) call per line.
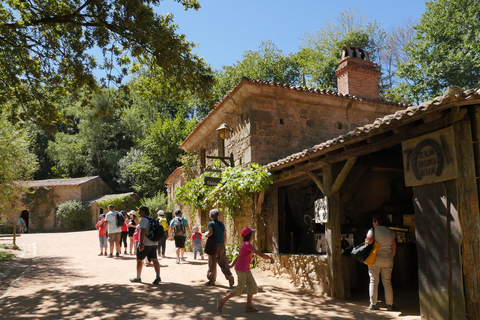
point(267, 121)
point(43, 217)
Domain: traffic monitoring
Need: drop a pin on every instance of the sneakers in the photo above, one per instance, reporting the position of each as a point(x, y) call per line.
point(177, 261)
point(118, 254)
point(125, 252)
point(231, 281)
point(157, 280)
point(105, 253)
point(100, 254)
point(136, 280)
point(183, 258)
point(374, 307)
point(390, 307)
point(110, 256)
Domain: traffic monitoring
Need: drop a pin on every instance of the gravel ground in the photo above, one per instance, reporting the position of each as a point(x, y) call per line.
point(60, 276)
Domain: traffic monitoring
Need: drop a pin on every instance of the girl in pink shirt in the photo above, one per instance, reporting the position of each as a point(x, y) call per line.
point(242, 268)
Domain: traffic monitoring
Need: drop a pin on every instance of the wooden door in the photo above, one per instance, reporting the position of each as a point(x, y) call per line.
point(438, 235)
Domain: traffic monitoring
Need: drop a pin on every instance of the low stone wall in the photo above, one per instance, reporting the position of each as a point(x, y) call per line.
point(305, 271)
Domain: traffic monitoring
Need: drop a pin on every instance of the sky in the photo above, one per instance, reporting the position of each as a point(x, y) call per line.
point(225, 29)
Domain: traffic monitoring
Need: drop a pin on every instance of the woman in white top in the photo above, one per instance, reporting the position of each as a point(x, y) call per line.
point(383, 265)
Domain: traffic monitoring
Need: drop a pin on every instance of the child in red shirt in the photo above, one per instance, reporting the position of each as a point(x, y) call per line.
point(102, 235)
point(242, 268)
point(197, 243)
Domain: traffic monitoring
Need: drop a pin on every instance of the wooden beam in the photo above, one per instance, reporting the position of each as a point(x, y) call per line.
point(468, 212)
point(317, 180)
point(343, 174)
point(296, 171)
point(333, 236)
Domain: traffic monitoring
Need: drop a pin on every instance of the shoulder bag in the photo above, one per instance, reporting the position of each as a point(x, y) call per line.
point(366, 253)
point(211, 245)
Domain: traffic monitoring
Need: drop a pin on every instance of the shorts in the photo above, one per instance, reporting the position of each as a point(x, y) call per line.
point(180, 241)
point(131, 231)
point(103, 242)
point(114, 237)
point(148, 251)
point(245, 279)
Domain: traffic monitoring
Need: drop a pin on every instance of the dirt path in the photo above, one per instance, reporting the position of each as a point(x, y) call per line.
point(60, 276)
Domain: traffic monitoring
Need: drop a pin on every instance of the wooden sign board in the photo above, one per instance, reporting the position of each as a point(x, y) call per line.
point(211, 181)
point(430, 158)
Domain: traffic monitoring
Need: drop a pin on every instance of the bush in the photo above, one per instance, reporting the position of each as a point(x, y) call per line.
point(74, 215)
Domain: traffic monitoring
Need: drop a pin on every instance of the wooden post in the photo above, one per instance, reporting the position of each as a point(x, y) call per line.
point(14, 233)
point(333, 234)
point(468, 210)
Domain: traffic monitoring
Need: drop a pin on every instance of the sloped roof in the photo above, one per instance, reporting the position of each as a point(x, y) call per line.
point(109, 196)
point(287, 87)
point(452, 94)
point(59, 182)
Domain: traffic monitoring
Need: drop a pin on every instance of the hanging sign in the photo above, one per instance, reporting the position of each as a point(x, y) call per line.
point(321, 210)
point(430, 158)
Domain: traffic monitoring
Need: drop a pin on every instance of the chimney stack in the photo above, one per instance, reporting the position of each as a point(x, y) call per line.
point(357, 75)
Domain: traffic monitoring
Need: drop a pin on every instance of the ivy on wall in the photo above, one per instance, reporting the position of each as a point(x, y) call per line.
point(121, 202)
point(39, 202)
point(235, 190)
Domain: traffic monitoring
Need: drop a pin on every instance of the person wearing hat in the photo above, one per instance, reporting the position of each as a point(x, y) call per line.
point(242, 268)
point(197, 243)
point(132, 225)
point(162, 244)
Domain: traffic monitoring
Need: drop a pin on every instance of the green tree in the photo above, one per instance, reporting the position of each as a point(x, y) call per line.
point(47, 52)
point(17, 163)
point(160, 153)
point(444, 52)
point(268, 63)
point(321, 51)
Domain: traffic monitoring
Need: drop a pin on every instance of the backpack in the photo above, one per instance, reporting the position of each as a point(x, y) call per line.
point(120, 220)
point(178, 227)
point(156, 231)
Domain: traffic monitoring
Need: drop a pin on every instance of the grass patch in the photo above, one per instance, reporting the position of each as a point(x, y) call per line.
point(6, 256)
point(9, 246)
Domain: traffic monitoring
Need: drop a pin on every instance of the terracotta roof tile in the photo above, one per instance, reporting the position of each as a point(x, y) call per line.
point(58, 182)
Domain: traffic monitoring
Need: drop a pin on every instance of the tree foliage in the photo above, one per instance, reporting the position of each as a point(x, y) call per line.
point(17, 163)
point(48, 51)
point(321, 51)
point(445, 50)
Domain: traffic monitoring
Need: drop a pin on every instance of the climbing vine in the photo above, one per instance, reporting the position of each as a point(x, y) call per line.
point(39, 202)
point(235, 190)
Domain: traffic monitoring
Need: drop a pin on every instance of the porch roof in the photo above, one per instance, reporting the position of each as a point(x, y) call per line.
point(453, 96)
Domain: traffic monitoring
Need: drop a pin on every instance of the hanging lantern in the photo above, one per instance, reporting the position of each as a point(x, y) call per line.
point(224, 131)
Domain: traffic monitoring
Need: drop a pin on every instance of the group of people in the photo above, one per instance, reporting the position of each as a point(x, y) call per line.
point(179, 231)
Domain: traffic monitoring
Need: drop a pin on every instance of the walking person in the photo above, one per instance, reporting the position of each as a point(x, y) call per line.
point(102, 235)
point(242, 268)
point(217, 229)
point(197, 243)
point(177, 231)
point(132, 224)
point(124, 234)
point(114, 230)
point(383, 265)
point(25, 216)
point(162, 244)
point(146, 247)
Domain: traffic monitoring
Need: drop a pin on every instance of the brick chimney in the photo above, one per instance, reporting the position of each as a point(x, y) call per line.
point(357, 75)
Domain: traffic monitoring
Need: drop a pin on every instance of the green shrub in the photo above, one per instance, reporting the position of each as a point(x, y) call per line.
point(74, 215)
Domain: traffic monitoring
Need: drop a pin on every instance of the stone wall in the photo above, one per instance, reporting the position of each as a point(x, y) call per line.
point(305, 271)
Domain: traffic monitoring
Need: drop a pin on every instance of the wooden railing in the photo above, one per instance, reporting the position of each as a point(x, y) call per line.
point(14, 235)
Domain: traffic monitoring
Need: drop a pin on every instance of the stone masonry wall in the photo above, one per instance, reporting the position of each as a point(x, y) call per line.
point(305, 271)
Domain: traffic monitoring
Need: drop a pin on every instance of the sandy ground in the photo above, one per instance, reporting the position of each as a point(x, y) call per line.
point(60, 276)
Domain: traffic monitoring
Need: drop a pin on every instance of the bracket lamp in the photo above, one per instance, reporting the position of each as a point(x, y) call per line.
point(224, 131)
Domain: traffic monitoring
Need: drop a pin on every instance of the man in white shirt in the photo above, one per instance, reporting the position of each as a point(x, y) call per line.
point(114, 231)
point(146, 247)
